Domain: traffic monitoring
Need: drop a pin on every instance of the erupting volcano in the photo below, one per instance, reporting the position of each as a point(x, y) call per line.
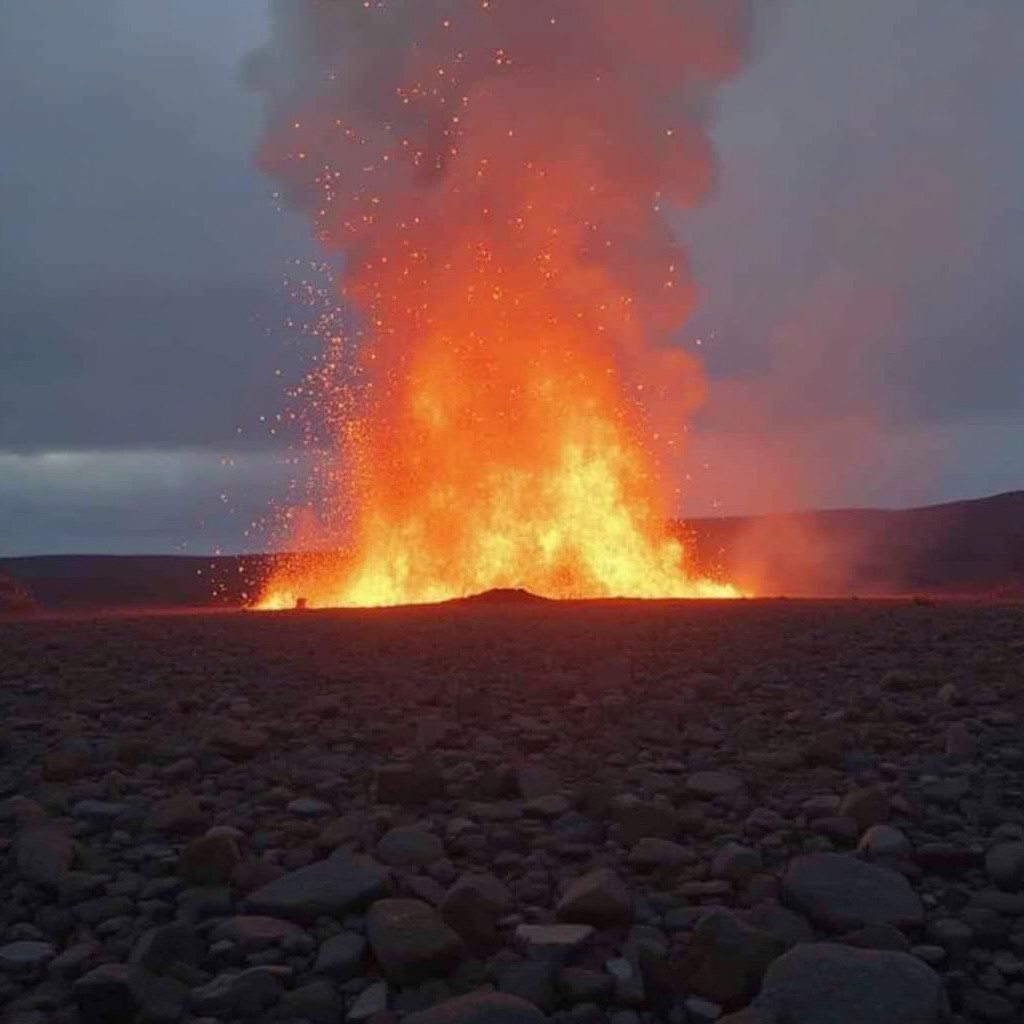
point(496, 175)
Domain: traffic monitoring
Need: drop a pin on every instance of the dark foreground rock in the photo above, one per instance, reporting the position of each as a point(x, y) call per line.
point(841, 893)
point(831, 984)
point(333, 886)
point(761, 812)
point(480, 1008)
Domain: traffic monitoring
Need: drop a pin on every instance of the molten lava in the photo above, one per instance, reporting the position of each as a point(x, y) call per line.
point(494, 177)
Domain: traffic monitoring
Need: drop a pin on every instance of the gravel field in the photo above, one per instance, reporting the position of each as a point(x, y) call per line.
point(763, 812)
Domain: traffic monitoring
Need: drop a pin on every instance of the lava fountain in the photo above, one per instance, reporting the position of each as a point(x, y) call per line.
point(495, 175)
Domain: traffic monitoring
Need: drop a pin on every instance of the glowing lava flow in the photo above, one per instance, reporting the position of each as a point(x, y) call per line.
point(506, 249)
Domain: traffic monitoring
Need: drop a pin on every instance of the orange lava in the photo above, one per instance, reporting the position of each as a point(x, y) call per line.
point(504, 434)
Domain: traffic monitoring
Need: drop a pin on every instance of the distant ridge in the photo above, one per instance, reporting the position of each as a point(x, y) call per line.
point(963, 547)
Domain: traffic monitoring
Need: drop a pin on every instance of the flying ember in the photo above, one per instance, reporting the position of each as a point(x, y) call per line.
point(496, 175)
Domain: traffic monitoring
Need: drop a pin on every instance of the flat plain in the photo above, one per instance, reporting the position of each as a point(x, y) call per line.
point(516, 810)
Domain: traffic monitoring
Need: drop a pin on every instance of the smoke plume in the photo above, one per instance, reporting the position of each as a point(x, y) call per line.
point(496, 174)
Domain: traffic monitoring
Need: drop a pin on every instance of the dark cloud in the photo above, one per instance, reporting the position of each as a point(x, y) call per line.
point(149, 368)
point(867, 251)
point(136, 501)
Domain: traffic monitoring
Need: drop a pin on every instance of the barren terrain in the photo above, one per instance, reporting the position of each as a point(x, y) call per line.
point(967, 548)
point(601, 813)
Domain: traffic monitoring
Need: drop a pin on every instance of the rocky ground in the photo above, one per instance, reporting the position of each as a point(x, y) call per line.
point(760, 812)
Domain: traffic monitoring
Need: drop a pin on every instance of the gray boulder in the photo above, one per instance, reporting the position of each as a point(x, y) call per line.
point(409, 940)
point(328, 888)
point(821, 983)
point(842, 893)
point(726, 959)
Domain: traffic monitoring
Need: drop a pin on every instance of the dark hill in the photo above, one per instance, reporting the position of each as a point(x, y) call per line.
point(961, 547)
point(967, 547)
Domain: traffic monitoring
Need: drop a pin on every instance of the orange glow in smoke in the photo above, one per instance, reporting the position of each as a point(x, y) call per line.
point(504, 430)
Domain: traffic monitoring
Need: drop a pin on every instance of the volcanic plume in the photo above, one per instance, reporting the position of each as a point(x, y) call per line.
point(495, 176)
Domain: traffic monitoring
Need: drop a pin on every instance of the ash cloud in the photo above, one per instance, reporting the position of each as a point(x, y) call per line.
point(393, 114)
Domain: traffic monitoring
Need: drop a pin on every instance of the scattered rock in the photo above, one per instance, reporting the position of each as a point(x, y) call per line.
point(238, 742)
point(725, 959)
point(109, 994)
point(178, 814)
point(820, 983)
point(536, 780)
point(254, 931)
point(960, 742)
point(246, 994)
point(474, 906)
point(308, 807)
point(373, 1000)
point(210, 860)
point(883, 842)
point(98, 812)
point(877, 936)
point(341, 957)
point(735, 863)
point(26, 959)
point(713, 785)
point(841, 893)
point(328, 888)
point(652, 853)
point(160, 947)
point(416, 783)
point(64, 765)
point(558, 942)
point(42, 853)
point(582, 985)
point(1005, 866)
point(530, 980)
point(480, 1008)
point(866, 807)
point(409, 847)
point(163, 1000)
point(410, 941)
point(641, 819)
point(317, 1002)
point(600, 899)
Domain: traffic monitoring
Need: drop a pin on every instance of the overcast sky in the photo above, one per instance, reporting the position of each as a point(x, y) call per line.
point(862, 270)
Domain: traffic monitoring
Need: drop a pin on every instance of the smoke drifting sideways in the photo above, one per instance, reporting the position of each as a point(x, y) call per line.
point(494, 175)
